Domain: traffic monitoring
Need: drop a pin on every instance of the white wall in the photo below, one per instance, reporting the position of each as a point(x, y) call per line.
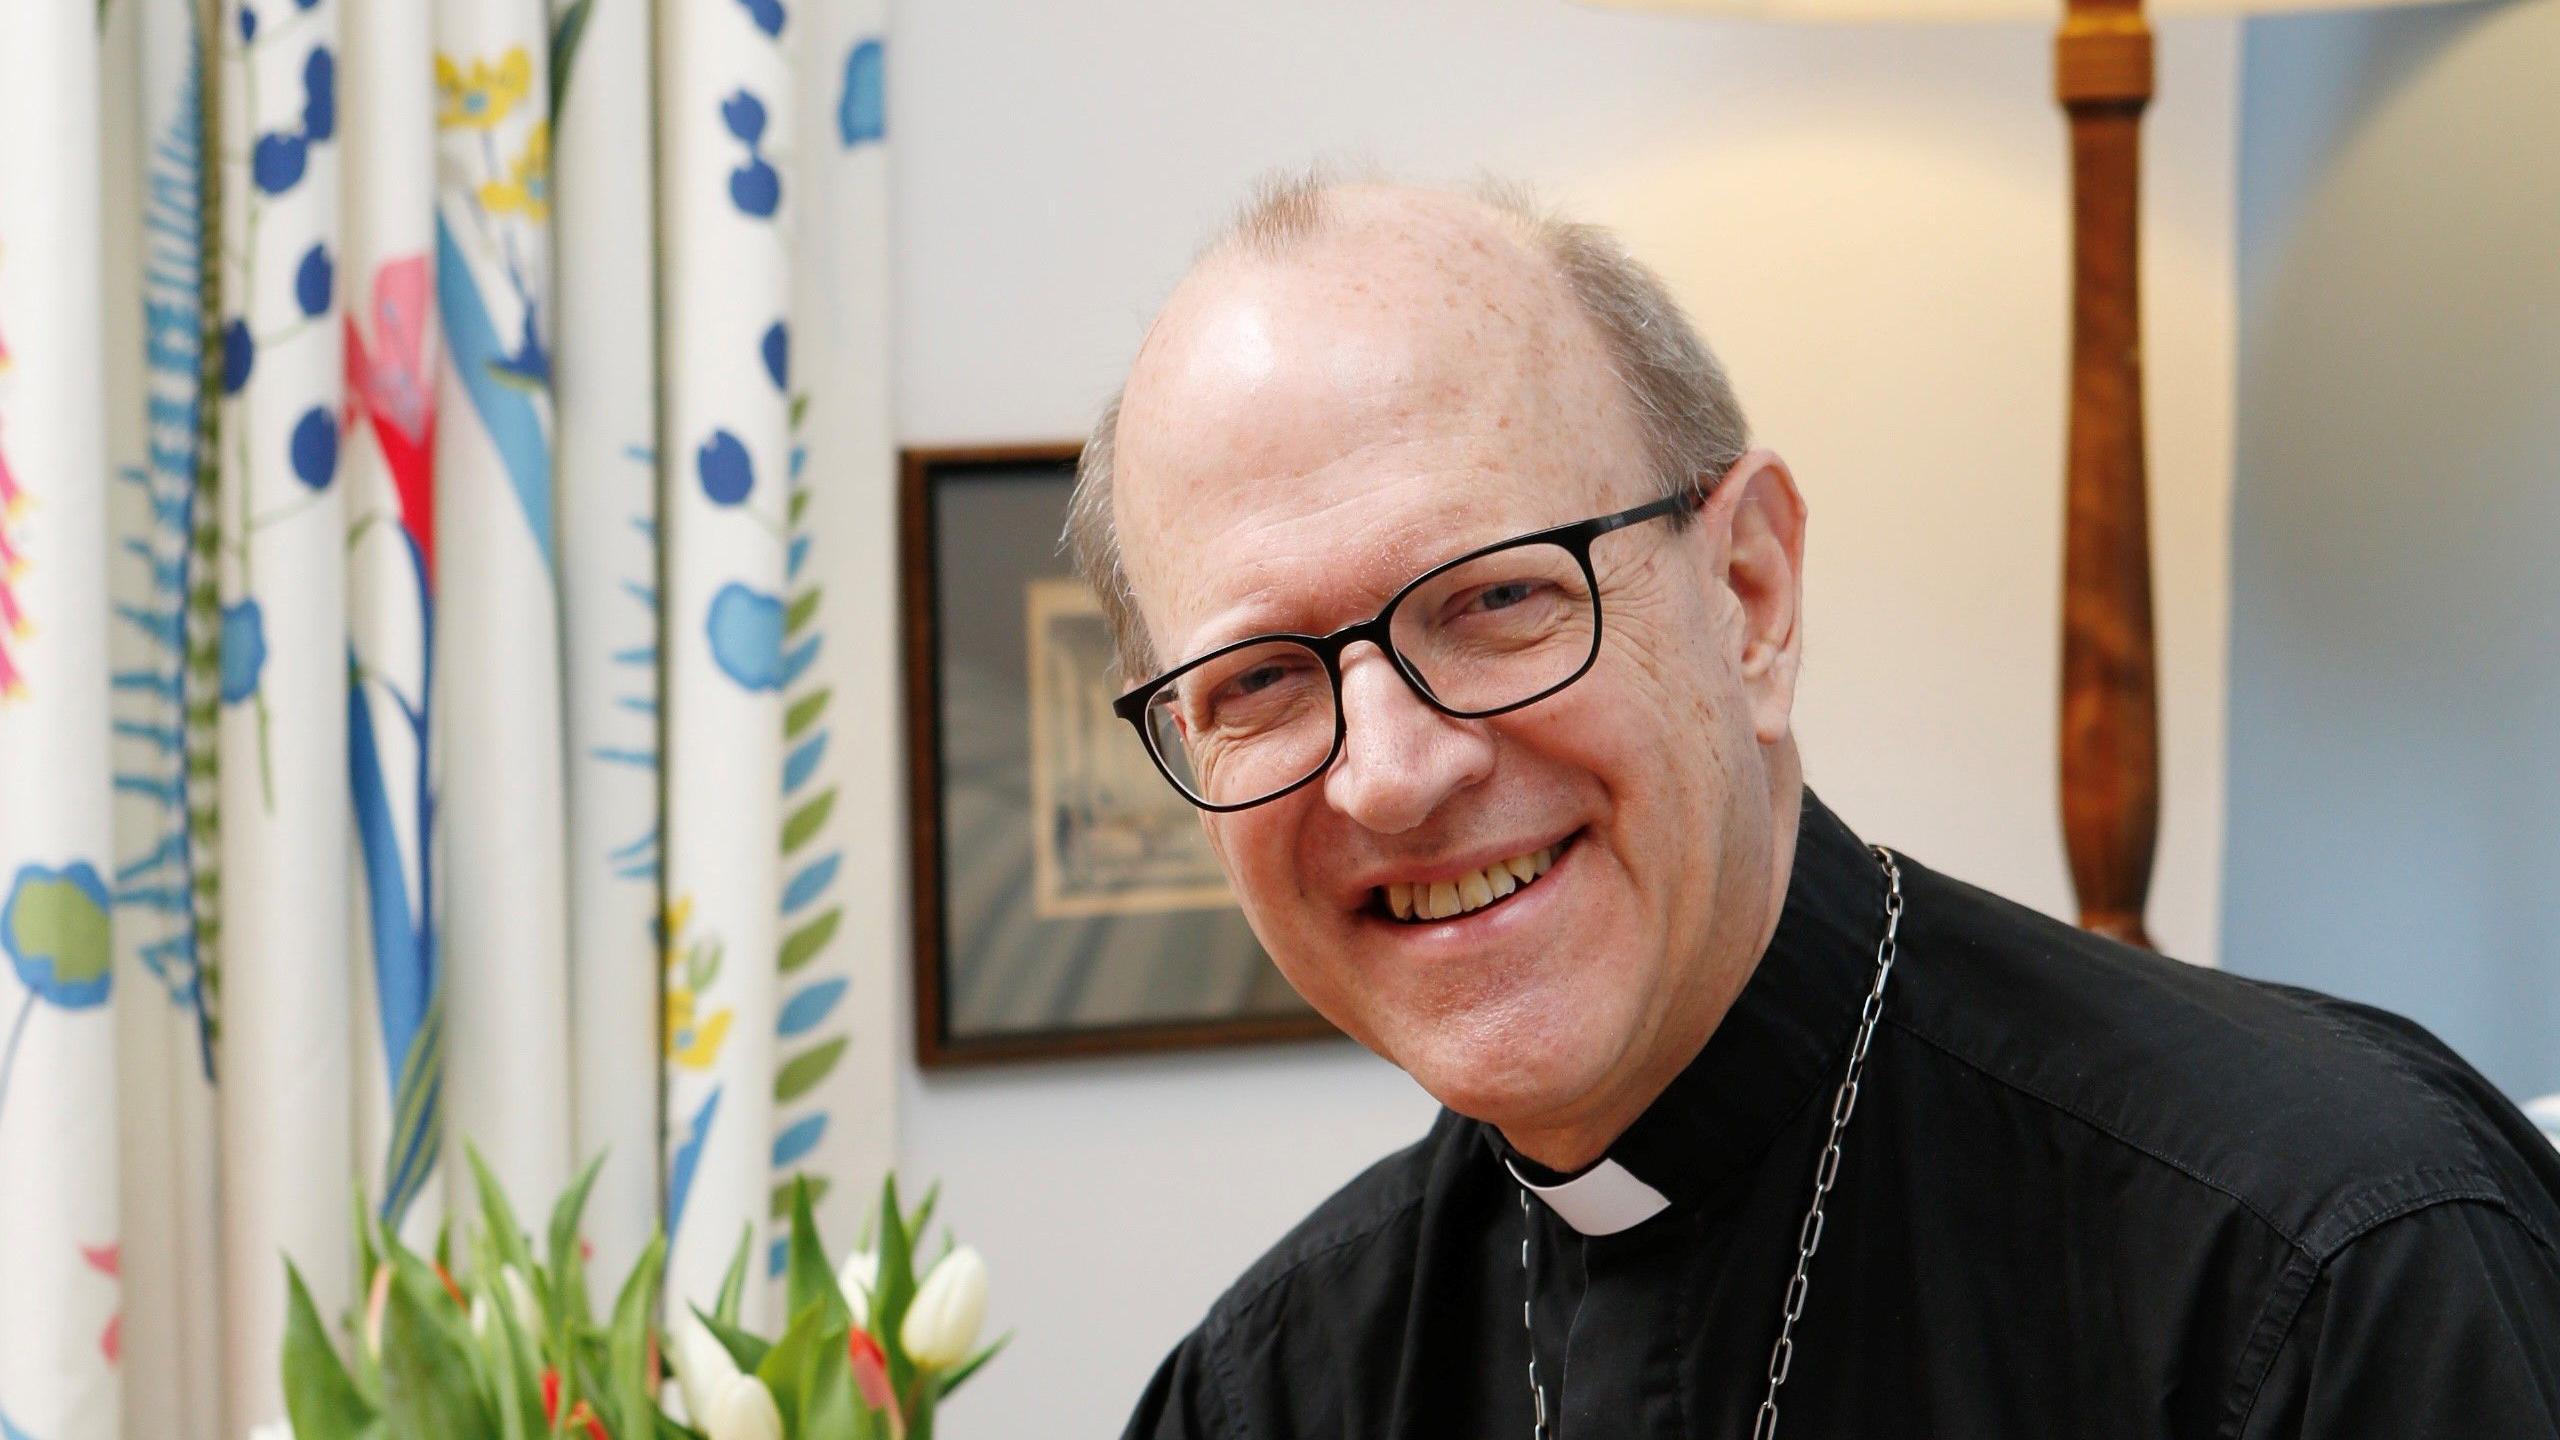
point(1869, 224)
point(2395, 700)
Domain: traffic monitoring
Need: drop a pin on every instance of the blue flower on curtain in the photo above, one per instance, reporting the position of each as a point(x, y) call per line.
point(315, 448)
point(239, 355)
point(54, 930)
point(776, 350)
point(767, 14)
point(278, 161)
point(728, 473)
point(754, 187)
point(862, 115)
point(313, 281)
point(320, 94)
point(745, 627)
point(244, 650)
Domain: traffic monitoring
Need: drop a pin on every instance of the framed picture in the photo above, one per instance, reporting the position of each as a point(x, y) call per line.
point(1066, 900)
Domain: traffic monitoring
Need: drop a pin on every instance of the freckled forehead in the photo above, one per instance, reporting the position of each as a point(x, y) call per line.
point(1409, 381)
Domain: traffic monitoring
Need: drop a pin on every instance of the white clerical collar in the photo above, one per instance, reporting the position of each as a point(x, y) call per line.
point(1602, 1200)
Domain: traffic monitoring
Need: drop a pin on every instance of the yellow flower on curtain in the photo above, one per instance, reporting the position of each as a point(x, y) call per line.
point(695, 1047)
point(478, 98)
point(527, 189)
point(694, 1037)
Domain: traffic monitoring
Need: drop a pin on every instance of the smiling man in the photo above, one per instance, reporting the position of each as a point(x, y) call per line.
point(1452, 593)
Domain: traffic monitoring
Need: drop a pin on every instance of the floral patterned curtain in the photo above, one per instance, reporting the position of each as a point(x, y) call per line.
point(428, 430)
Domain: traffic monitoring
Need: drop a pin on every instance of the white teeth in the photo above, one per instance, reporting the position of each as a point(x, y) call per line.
point(1441, 899)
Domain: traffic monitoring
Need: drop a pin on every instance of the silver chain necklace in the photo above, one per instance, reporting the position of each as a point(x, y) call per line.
point(1826, 1171)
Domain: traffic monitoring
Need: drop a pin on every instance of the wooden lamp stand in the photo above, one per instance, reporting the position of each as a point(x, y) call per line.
point(2110, 740)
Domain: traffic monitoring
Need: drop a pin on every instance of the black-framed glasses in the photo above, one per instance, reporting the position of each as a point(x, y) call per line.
point(1493, 630)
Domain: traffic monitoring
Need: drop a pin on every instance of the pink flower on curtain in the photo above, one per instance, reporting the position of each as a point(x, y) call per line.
point(13, 619)
point(107, 1260)
point(392, 387)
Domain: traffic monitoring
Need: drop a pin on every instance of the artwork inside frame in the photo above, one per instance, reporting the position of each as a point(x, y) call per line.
point(1066, 900)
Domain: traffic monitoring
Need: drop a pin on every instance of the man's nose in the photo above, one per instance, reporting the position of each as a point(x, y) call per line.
point(1400, 758)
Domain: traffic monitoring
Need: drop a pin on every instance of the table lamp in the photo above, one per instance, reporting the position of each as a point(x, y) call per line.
point(2110, 741)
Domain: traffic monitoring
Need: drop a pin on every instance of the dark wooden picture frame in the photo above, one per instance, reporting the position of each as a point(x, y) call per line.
point(946, 1032)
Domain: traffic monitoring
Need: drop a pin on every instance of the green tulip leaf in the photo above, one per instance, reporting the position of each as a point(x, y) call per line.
point(779, 1207)
point(568, 1273)
point(629, 1385)
point(733, 1286)
point(429, 1374)
point(502, 1232)
point(951, 1379)
point(923, 1217)
point(366, 1259)
point(512, 1361)
point(895, 1288)
point(781, 1366)
point(318, 1395)
point(828, 1405)
point(745, 1350)
point(809, 1280)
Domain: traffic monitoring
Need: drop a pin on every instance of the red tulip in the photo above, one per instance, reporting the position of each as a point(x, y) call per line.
point(579, 1413)
point(550, 1393)
point(871, 1375)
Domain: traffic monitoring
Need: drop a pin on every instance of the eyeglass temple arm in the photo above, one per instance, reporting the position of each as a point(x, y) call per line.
point(1668, 504)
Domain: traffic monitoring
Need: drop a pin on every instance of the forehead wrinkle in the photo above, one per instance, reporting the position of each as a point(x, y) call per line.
point(1353, 559)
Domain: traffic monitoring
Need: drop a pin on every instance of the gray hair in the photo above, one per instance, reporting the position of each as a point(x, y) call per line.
point(1692, 425)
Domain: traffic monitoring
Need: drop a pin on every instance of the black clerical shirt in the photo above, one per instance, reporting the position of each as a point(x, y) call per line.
point(2086, 1192)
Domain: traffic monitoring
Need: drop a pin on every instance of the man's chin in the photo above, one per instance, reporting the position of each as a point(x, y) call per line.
point(1504, 1091)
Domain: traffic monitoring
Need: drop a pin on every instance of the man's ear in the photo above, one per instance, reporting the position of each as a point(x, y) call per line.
point(1757, 513)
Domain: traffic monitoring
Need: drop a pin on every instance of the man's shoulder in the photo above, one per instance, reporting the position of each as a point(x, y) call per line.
point(1381, 1206)
point(2318, 1115)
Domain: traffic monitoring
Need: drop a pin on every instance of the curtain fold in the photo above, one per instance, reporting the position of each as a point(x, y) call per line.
point(157, 248)
point(283, 1049)
point(724, 135)
point(498, 630)
point(609, 579)
point(834, 1010)
point(391, 349)
point(58, 1137)
point(433, 610)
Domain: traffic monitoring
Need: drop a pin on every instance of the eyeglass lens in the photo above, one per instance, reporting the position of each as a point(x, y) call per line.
point(1481, 636)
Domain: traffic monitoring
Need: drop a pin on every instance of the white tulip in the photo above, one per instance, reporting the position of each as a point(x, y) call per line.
point(856, 1277)
point(520, 1300)
point(743, 1410)
point(272, 1430)
point(480, 1313)
point(702, 1365)
point(942, 1321)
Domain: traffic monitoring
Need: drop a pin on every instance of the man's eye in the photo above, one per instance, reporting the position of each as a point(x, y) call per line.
point(1258, 678)
point(1506, 595)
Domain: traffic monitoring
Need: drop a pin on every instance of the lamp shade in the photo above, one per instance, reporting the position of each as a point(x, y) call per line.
point(1943, 11)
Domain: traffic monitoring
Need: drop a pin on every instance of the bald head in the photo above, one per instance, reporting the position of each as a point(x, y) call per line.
point(1327, 310)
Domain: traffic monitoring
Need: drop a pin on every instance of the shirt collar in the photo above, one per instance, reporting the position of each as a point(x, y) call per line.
point(1792, 1021)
